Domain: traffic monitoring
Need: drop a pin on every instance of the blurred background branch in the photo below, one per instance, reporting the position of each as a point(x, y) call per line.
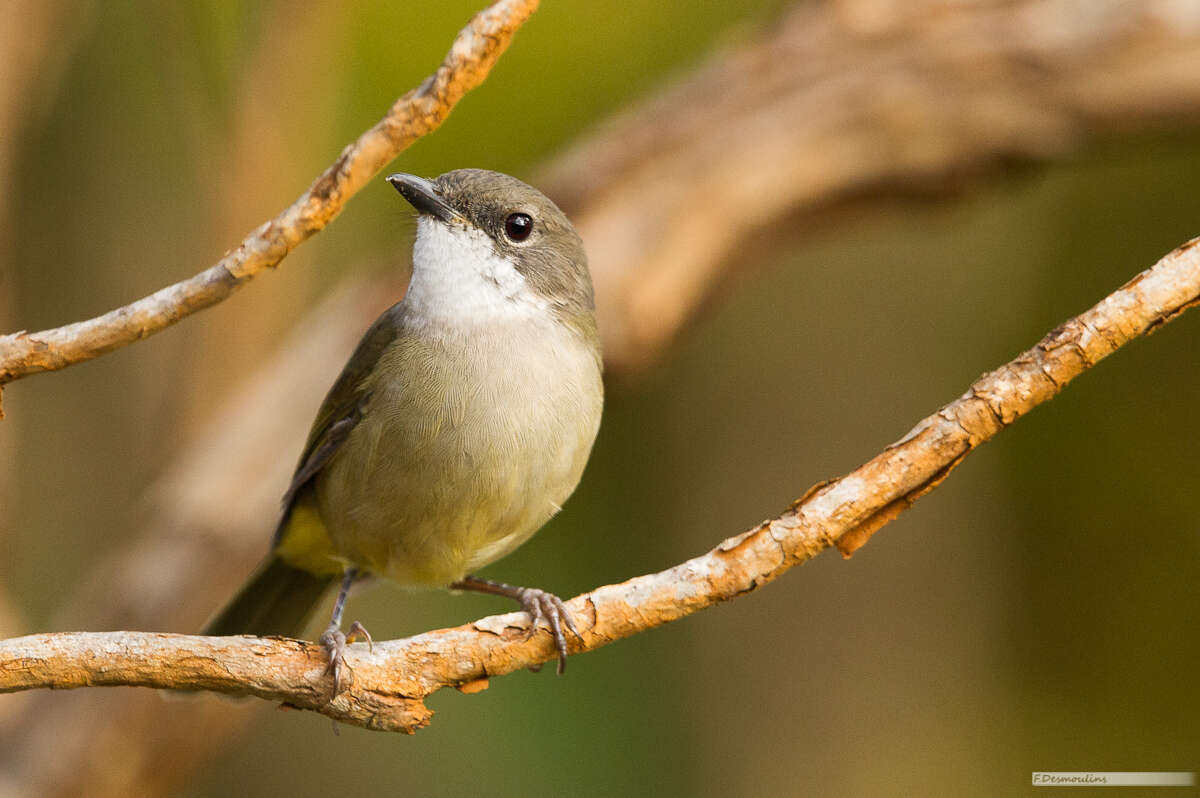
point(843, 99)
point(392, 681)
point(33, 56)
point(768, 392)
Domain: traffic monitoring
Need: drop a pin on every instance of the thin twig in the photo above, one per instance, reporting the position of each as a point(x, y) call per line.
point(391, 682)
point(421, 110)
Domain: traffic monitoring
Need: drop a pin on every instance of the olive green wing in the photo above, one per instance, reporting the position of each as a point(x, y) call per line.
point(287, 587)
point(342, 409)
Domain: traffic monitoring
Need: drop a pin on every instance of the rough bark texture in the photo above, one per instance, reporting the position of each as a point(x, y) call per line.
point(870, 97)
point(391, 681)
point(418, 112)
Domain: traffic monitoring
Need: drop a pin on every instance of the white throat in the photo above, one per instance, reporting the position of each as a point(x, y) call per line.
point(457, 276)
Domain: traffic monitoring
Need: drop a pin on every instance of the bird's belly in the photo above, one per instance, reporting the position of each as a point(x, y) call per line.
point(425, 491)
point(436, 536)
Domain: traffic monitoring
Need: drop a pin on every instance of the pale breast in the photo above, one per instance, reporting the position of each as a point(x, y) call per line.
point(471, 442)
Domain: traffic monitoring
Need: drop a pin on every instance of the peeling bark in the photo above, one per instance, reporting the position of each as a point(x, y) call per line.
point(392, 679)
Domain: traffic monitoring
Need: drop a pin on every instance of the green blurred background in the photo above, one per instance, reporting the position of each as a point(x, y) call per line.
point(1036, 612)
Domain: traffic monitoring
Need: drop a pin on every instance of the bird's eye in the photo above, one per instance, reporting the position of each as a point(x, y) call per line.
point(518, 226)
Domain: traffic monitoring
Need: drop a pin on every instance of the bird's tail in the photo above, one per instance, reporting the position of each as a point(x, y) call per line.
point(279, 599)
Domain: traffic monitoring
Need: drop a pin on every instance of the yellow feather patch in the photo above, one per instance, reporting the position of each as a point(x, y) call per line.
point(305, 542)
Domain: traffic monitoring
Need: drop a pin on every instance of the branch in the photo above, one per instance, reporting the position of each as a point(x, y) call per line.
point(391, 682)
point(848, 99)
point(472, 55)
point(201, 515)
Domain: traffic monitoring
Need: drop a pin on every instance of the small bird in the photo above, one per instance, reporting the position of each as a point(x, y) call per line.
point(458, 427)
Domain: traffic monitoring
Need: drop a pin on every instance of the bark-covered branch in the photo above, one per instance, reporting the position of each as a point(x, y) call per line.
point(421, 110)
point(392, 680)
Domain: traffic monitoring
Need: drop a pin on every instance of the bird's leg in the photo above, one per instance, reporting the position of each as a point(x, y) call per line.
point(334, 640)
point(541, 606)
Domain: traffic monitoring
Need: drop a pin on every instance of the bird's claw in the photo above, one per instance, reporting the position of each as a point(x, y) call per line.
point(334, 641)
point(359, 632)
point(547, 608)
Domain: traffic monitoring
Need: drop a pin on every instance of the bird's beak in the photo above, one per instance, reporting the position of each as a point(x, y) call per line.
point(422, 194)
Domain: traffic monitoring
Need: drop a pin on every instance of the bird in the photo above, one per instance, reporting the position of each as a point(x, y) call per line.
point(458, 427)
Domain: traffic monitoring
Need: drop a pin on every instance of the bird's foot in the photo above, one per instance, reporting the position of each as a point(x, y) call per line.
point(542, 607)
point(547, 608)
point(334, 641)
